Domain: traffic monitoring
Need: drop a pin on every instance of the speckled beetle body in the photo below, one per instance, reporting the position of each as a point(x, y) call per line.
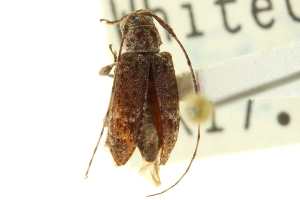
point(144, 105)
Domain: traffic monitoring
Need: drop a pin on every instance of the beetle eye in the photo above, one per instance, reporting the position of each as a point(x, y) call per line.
point(150, 17)
point(134, 19)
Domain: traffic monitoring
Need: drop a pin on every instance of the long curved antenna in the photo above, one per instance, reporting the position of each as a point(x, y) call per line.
point(171, 32)
point(119, 20)
point(113, 22)
point(101, 133)
point(96, 147)
point(126, 27)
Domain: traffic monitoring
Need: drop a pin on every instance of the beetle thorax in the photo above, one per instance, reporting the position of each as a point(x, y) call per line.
point(142, 35)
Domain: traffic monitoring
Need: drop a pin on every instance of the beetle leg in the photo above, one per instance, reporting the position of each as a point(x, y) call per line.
point(104, 71)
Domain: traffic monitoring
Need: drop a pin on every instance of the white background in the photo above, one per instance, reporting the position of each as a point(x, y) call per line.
point(51, 110)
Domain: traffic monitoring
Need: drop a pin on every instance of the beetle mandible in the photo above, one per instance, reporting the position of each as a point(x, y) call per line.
point(144, 105)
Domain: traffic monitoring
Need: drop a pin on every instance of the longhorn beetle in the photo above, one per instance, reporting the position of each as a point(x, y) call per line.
point(144, 105)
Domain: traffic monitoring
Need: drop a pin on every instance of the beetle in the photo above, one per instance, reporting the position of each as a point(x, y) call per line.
point(144, 105)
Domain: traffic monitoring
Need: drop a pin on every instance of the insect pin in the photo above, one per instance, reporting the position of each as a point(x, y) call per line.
point(144, 105)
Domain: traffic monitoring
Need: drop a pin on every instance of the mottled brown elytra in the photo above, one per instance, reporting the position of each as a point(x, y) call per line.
point(144, 105)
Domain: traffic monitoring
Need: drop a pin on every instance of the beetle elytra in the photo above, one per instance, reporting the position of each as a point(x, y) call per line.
point(144, 105)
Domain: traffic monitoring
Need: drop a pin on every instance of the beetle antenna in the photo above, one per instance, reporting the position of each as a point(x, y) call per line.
point(126, 27)
point(171, 32)
point(115, 21)
point(119, 20)
point(96, 147)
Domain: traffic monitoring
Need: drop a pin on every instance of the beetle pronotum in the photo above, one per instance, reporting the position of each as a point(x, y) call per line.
point(144, 106)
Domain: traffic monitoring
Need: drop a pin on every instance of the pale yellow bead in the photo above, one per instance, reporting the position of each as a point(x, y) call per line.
point(197, 108)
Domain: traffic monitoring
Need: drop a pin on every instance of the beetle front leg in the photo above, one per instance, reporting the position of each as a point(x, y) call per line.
point(104, 71)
